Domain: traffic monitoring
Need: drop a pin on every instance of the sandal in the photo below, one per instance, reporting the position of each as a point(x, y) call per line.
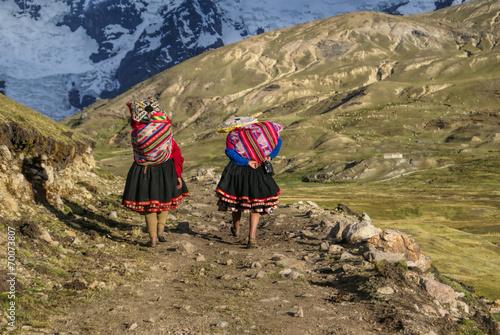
point(235, 231)
point(161, 237)
point(251, 243)
point(152, 243)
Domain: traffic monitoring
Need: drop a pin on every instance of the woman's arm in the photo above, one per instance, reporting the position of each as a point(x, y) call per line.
point(276, 150)
point(236, 158)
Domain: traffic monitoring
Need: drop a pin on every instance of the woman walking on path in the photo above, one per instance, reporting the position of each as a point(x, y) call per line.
point(246, 186)
point(154, 182)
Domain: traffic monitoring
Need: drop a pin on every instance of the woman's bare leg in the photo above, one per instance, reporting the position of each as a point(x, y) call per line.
point(162, 219)
point(254, 221)
point(236, 223)
point(152, 225)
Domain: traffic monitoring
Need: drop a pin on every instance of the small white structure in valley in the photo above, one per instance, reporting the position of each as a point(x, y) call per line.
point(393, 155)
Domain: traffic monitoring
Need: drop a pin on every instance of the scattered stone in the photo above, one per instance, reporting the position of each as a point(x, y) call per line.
point(70, 233)
point(443, 293)
point(255, 265)
point(348, 267)
point(299, 313)
point(335, 249)
point(387, 290)
point(260, 275)
point(44, 235)
point(222, 324)
point(132, 326)
point(291, 263)
point(113, 215)
point(92, 208)
point(346, 256)
point(187, 248)
point(294, 275)
point(93, 284)
point(312, 204)
point(200, 258)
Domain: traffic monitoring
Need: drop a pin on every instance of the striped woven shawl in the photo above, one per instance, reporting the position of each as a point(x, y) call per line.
point(152, 141)
point(254, 141)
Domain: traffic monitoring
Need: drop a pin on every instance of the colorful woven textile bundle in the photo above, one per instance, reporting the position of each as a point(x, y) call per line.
point(254, 141)
point(152, 141)
point(151, 134)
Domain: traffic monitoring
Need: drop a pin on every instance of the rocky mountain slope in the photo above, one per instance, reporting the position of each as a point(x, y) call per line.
point(59, 55)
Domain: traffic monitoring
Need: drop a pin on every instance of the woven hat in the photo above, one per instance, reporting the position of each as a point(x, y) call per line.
point(235, 122)
point(143, 109)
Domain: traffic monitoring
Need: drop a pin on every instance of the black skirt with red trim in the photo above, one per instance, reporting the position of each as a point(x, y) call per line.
point(152, 188)
point(244, 189)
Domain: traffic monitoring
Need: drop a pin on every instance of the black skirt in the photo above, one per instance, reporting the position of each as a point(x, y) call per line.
point(152, 188)
point(244, 189)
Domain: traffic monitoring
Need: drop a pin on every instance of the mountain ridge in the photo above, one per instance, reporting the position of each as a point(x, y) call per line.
point(82, 50)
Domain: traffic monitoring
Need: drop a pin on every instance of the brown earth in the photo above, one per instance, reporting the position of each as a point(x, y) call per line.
point(205, 281)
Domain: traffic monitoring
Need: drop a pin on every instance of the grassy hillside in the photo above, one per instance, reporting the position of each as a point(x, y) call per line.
point(24, 130)
point(348, 89)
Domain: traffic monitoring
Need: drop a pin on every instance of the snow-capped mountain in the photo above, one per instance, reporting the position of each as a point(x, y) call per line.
point(59, 56)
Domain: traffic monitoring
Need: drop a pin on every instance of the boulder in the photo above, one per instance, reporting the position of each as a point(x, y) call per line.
point(439, 291)
point(394, 241)
point(357, 232)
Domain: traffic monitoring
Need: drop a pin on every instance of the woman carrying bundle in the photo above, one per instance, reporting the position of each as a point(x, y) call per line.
point(154, 182)
point(246, 184)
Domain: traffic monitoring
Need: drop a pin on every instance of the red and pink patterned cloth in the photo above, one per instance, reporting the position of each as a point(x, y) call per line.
point(254, 141)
